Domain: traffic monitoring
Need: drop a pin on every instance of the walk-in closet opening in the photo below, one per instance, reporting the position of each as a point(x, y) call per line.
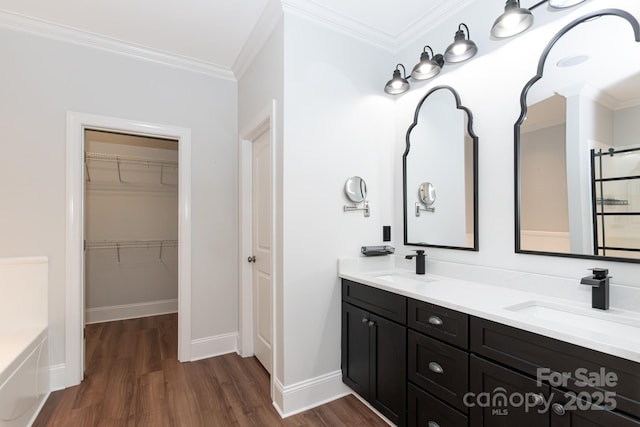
point(131, 240)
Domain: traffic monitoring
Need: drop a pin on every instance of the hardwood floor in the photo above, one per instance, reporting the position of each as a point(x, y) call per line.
point(133, 378)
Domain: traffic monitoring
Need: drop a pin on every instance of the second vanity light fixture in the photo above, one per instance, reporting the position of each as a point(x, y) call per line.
point(516, 19)
point(462, 49)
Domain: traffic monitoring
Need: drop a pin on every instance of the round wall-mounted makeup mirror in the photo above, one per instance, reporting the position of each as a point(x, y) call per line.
point(355, 189)
point(427, 194)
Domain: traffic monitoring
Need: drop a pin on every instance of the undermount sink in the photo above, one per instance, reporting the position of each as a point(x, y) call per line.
point(611, 322)
point(403, 277)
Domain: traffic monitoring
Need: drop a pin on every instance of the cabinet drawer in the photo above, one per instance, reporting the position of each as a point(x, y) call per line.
point(439, 368)
point(439, 322)
point(425, 410)
point(527, 352)
point(509, 397)
point(386, 304)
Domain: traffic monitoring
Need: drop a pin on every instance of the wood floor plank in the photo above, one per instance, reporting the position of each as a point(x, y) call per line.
point(133, 378)
point(182, 403)
point(151, 403)
point(120, 391)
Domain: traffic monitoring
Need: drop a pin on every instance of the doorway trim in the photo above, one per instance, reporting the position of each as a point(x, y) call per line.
point(264, 121)
point(77, 123)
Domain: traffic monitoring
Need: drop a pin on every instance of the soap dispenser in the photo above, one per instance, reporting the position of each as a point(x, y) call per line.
point(421, 261)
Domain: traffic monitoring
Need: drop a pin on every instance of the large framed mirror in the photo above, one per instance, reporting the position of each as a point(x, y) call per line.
point(440, 174)
point(577, 143)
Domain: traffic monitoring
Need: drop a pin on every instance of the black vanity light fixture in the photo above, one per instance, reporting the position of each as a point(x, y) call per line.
point(428, 67)
point(431, 64)
point(516, 19)
point(398, 84)
point(462, 48)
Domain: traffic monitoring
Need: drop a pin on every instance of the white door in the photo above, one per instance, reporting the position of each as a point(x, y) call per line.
point(261, 256)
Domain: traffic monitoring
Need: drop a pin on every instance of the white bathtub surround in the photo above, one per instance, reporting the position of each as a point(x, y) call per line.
point(512, 298)
point(24, 349)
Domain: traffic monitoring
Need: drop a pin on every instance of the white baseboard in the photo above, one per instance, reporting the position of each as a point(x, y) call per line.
point(203, 348)
point(130, 311)
point(295, 398)
point(57, 377)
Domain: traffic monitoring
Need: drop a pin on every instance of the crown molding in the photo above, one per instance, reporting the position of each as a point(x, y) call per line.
point(269, 19)
point(341, 23)
point(389, 42)
point(29, 25)
point(585, 90)
point(429, 20)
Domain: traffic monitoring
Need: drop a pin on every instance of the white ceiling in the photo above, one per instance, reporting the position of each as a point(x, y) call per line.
point(215, 31)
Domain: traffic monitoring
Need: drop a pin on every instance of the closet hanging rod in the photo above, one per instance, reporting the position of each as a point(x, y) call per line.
point(129, 159)
point(119, 244)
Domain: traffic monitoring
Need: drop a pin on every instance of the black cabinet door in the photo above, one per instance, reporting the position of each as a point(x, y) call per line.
point(388, 368)
point(501, 397)
point(355, 349)
point(427, 411)
point(569, 409)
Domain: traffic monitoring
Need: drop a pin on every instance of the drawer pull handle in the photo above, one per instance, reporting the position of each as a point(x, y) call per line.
point(435, 367)
point(433, 424)
point(435, 320)
point(537, 399)
point(558, 409)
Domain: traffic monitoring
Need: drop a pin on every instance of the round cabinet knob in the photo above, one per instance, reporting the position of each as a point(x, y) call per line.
point(365, 320)
point(371, 323)
point(433, 424)
point(252, 258)
point(558, 409)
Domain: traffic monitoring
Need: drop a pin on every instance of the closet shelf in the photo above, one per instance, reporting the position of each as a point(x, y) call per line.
point(132, 160)
point(129, 159)
point(121, 244)
point(115, 244)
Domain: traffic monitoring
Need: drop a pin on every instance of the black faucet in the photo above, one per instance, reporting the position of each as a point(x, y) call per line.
point(600, 288)
point(420, 261)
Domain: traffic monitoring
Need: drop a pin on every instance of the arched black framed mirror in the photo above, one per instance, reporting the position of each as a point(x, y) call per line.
point(441, 158)
point(577, 155)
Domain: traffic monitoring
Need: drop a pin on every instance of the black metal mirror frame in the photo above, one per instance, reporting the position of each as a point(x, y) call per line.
point(473, 136)
point(523, 114)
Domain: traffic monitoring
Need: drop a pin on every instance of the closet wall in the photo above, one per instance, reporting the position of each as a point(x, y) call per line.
point(131, 226)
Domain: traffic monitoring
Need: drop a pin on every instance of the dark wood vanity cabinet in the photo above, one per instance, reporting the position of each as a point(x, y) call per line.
point(567, 367)
point(518, 400)
point(374, 348)
point(420, 364)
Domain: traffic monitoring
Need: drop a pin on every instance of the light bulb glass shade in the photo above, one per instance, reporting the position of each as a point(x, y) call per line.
point(397, 84)
point(514, 20)
point(427, 67)
point(561, 4)
point(461, 49)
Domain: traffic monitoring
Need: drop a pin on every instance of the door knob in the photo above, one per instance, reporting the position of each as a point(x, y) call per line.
point(252, 258)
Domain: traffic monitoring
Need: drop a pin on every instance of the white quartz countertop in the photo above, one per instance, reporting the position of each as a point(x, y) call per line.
point(614, 331)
